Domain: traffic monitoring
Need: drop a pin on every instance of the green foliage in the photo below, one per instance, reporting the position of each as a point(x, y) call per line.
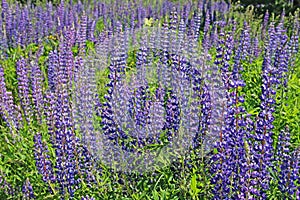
point(176, 181)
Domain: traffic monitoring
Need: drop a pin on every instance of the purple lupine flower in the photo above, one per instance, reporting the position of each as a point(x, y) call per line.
point(6, 108)
point(272, 41)
point(163, 72)
point(87, 198)
point(172, 116)
point(293, 44)
point(243, 49)
point(42, 159)
point(81, 36)
point(49, 22)
point(53, 63)
point(65, 141)
point(5, 7)
point(204, 97)
point(231, 161)
point(197, 24)
point(8, 26)
point(264, 25)
point(157, 113)
point(90, 29)
point(36, 88)
point(38, 25)
point(281, 62)
point(141, 62)
point(70, 17)
point(181, 34)
point(140, 101)
point(29, 26)
point(214, 34)
point(85, 100)
point(64, 148)
point(86, 164)
point(49, 113)
point(255, 48)
point(262, 148)
point(205, 40)
point(21, 34)
point(173, 29)
point(109, 125)
point(60, 11)
point(69, 40)
point(27, 190)
point(5, 186)
point(289, 165)
point(23, 88)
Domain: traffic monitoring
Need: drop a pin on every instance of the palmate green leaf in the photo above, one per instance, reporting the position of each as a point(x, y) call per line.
point(100, 25)
point(254, 111)
point(193, 186)
point(155, 195)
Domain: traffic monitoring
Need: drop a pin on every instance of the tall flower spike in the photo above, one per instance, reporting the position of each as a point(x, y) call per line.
point(265, 25)
point(289, 165)
point(205, 40)
point(231, 159)
point(49, 113)
point(36, 88)
point(5, 186)
point(42, 159)
point(53, 68)
point(163, 70)
point(69, 37)
point(262, 149)
point(173, 29)
point(82, 34)
point(6, 108)
point(27, 190)
point(23, 88)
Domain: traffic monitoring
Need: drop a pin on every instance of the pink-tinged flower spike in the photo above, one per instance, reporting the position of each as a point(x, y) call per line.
point(23, 88)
